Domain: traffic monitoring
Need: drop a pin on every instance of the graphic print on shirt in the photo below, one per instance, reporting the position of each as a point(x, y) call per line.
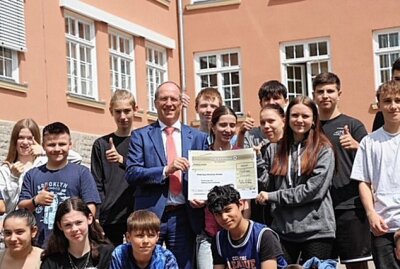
point(59, 189)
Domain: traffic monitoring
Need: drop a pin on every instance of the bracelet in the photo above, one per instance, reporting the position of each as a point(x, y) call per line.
point(33, 202)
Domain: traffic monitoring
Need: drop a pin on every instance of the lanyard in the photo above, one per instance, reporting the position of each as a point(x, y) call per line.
point(289, 174)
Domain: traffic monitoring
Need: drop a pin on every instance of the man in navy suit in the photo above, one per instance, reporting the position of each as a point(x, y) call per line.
point(153, 174)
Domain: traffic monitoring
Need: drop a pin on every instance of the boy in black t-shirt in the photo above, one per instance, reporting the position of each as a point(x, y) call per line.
point(242, 243)
point(352, 243)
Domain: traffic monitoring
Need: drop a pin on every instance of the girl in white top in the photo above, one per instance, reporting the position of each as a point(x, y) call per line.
point(24, 153)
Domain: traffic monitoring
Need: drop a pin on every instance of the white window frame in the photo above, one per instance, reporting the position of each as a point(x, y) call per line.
point(391, 51)
point(14, 76)
point(119, 57)
point(159, 72)
point(90, 44)
point(306, 61)
point(219, 70)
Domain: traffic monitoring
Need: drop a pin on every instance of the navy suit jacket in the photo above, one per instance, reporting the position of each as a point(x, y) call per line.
point(145, 165)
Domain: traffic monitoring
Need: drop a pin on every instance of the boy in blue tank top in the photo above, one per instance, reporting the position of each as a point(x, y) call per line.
point(242, 243)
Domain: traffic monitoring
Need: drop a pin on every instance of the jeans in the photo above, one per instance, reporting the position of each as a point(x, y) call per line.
point(383, 252)
point(203, 251)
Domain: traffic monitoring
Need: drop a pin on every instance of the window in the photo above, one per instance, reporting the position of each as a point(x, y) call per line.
point(221, 70)
point(121, 61)
point(156, 70)
point(387, 50)
point(301, 62)
point(8, 64)
point(12, 38)
point(81, 58)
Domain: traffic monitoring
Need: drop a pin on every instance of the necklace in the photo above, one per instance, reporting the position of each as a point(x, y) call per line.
point(74, 266)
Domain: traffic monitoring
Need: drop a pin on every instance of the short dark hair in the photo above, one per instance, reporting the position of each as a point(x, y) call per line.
point(272, 88)
point(221, 196)
point(396, 65)
point(56, 128)
point(326, 78)
point(275, 107)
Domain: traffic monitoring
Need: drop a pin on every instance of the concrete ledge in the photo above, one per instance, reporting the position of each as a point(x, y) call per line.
point(12, 86)
point(211, 4)
point(80, 100)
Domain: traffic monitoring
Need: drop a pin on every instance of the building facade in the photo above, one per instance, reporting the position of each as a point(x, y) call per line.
point(61, 59)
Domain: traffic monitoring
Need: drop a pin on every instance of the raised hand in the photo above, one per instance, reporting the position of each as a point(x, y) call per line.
point(44, 197)
point(36, 148)
point(16, 168)
point(347, 141)
point(248, 124)
point(112, 154)
point(179, 163)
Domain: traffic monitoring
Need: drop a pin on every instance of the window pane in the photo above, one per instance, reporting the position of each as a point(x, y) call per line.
point(297, 72)
point(289, 51)
point(385, 75)
point(121, 45)
point(236, 91)
point(394, 57)
point(82, 53)
point(226, 79)
point(66, 24)
point(324, 67)
point(225, 59)
point(87, 31)
point(384, 60)
point(394, 39)
point(235, 77)
point(234, 59)
point(383, 41)
point(313, 49)
point(204, 81)
point(291, 86)
point(227, 93)
point(212, 61)
point(299, 51)
point(323, 48)
point(73, 50)
point(314, 69)
point(299, 88)
point(80, 30)
point(290, 72)
point(236, 106)
point(213, 80)
point(203, 62)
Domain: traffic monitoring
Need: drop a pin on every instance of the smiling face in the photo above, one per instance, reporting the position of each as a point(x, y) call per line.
point(18, 235)
point(230, 216)
point(168, 104)
point(224, 129)
point(75, 226)
point(143, 243)
point(300, 121)
point(24, 142)
point(123, 113)
point(56, 147)
point(389, 104)
point(272, 124)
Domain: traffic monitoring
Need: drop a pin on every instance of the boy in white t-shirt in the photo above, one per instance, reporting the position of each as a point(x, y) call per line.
point(377, 166)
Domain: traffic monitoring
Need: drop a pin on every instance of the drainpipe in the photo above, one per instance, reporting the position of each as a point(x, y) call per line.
point(182, 55)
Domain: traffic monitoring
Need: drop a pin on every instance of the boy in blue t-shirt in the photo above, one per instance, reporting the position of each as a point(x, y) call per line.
point(46, 186)
point(142, 250)
point(242, 243)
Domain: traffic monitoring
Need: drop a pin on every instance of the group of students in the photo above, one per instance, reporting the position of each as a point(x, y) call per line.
point(323, 181)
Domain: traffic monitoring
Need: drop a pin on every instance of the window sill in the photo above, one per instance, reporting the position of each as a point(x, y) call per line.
point(152, 115)
point(12, 86)
point(163, 2)
point(211, 4)
point(80, 100)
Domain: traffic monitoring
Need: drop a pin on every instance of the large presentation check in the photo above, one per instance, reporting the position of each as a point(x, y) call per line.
point(217, 168)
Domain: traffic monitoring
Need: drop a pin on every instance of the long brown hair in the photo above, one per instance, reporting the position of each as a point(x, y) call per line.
point(314, 141)
point(58, 243)
point(12, 155)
